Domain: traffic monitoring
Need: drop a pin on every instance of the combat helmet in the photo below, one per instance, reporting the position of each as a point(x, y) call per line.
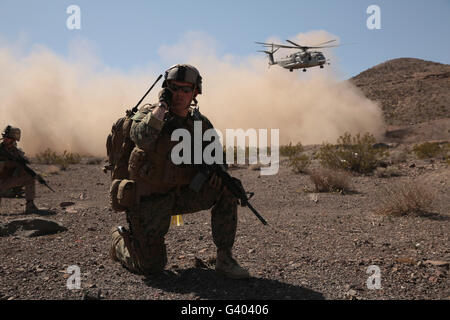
point(185, 73)
point(11, 132)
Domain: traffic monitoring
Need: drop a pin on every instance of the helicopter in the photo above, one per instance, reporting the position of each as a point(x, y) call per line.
point(299, 60)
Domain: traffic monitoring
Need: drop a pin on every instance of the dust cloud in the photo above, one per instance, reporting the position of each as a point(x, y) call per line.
point(70, 103)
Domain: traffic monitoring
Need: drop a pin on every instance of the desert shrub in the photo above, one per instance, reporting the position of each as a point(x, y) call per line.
point(387, 172)
point(47, 157)
point(405, 198)
point(327, 180)
point(299, 163)
point(428, 150)
point(351, 153)
point(296, 160)
point(291, 150)
point(62, 160)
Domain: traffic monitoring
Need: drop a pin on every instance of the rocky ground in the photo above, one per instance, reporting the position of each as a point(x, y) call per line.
point(317, 245)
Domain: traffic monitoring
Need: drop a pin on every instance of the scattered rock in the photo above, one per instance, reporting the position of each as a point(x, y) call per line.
point(92, 296)
point(30, 227)
point(66, 204)
point(255, 167)
point(406, 260)
point(380, 145)
point(351, 294)
point(199, 263)
point(437, 263)
point(51, 169)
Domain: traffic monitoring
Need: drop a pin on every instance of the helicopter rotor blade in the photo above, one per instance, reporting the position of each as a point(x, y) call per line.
point(275, 45)
point(305, 48)
point(264, 43)
point(322, 47)
point(321, 44)
point(337, 45)
point(295, 44)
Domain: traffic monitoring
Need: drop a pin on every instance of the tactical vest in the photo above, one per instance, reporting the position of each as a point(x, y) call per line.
point(153, 170)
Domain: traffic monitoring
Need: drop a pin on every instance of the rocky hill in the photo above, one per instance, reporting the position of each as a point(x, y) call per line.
point(409, 90)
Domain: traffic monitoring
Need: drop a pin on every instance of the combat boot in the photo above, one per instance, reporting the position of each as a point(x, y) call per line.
point(226, 265)
point(30, 207)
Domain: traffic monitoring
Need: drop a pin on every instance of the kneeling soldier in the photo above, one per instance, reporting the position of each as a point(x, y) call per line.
point(11, 174)
point(162, 187)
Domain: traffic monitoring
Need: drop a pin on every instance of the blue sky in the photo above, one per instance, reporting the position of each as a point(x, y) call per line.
point(126, 35)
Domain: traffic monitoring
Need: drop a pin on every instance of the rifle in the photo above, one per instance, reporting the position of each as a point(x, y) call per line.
point(23, 163)
point(234, 185)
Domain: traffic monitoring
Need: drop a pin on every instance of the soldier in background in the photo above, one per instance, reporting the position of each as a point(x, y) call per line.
point(162, 188)
point(11, 174)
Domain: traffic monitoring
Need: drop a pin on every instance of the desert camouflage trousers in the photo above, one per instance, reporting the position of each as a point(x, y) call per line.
point(150, 223)
point(19, 179)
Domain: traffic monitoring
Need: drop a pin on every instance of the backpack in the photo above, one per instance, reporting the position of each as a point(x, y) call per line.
point(118, 149)
point(119, 146)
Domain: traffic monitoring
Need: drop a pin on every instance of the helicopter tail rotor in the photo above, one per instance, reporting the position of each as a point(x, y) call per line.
point(270, 54)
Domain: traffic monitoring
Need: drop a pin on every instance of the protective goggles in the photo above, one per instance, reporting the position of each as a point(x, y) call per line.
point(175, 88)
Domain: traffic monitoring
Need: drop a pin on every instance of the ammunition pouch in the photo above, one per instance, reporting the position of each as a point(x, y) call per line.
point(122, 194)
point(154, 172)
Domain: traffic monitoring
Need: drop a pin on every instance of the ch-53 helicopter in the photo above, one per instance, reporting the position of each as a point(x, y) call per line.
point(298, 60)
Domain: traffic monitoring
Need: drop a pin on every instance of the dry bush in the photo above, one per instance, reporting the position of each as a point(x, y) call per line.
point(62, 160)
point(327, 180)
point(291, 150)
point(405, 198)
point(428, 150)
point(296, 160)
point(387, 172)
point(351, 153)
point(300, 163)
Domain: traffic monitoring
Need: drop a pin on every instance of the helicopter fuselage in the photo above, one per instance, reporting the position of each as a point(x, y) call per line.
point(302, 60)
point(299, 60)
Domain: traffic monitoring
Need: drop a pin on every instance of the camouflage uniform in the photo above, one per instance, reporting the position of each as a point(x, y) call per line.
point(12, 175)
point(161, 188)
point(150, 222)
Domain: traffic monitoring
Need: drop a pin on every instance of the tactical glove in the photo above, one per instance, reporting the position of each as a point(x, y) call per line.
point(165, 96)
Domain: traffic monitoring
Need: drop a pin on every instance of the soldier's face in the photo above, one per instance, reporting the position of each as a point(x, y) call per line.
point(181, 100)
point(8, 141)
